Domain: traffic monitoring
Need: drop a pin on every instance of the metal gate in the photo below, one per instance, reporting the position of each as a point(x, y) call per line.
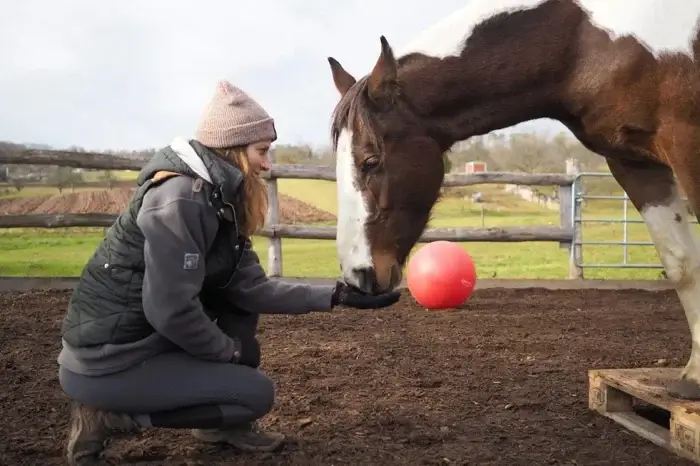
point(580, 197)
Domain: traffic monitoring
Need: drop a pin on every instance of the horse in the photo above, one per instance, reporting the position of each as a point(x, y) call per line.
point(625, 91)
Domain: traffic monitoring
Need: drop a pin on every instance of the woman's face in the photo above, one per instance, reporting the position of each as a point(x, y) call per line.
point(257, 156)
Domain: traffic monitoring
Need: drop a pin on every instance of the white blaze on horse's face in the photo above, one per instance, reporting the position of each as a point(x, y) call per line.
point(353, 247)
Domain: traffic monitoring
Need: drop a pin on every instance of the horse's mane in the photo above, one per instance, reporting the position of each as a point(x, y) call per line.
point(351, 110)
point(354, 108)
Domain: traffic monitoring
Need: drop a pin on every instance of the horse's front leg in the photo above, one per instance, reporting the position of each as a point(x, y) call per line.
point(652, 189)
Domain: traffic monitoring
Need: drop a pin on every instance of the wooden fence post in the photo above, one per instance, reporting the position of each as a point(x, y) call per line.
point(274, 249)
point(566, 213)
point(575, 253)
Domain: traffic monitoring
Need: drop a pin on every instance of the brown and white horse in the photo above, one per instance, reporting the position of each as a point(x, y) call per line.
point(600, 67)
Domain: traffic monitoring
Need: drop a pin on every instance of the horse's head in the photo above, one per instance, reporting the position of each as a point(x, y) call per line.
point(389, 173)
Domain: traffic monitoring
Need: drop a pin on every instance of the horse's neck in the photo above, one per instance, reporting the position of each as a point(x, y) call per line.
point(508, 73)
point(459, 98)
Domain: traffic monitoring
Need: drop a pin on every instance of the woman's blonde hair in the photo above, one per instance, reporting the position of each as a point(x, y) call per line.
point(255, 200)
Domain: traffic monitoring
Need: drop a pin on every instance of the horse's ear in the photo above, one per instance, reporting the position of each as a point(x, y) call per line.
point(382, 80)
point(342, 79)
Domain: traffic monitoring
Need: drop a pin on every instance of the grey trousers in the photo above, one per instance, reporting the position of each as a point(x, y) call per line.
point(176, 390)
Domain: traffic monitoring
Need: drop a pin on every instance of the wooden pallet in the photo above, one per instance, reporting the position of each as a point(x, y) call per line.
point(612, 393)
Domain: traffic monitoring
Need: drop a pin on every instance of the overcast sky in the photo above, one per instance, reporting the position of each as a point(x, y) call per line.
point(132, 74)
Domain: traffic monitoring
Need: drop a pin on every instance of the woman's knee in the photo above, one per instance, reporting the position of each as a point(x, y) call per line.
point(261, 393)
point(70, 384)
point(85, 390)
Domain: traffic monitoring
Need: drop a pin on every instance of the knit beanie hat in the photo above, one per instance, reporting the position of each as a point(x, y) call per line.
point(233, 118)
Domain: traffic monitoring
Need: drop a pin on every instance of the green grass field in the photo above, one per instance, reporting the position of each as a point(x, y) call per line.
point(63, 252)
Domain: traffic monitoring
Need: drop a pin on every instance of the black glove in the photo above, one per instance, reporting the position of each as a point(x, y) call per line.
point(247, 352)
point(348, 296)
point(242, 327)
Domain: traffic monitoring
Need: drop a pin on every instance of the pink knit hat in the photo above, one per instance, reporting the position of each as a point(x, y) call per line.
point(233, 118)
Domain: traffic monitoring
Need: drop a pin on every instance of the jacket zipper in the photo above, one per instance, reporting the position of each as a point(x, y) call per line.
point(236, 247)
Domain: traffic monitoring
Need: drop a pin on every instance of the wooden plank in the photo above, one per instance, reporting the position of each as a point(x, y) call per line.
point(67, 220)
point(612, 393)
point(492, 234)
point(525, 179)
point(96, 160)
point(643, 427)
point(67, 158)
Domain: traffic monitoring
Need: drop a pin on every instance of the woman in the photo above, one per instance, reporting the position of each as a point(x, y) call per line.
point(160, 331)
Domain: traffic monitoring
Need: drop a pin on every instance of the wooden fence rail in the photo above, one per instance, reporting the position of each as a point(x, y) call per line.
point(563, 234)
point(97, 161)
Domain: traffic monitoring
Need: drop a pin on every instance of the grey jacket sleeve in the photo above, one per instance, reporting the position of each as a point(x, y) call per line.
point(176, 230)
point(252, 291)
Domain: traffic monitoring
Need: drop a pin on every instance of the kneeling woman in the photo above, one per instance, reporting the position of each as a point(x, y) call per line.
point(161, 330)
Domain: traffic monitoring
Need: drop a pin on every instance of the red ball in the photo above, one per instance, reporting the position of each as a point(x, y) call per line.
point(441, 275)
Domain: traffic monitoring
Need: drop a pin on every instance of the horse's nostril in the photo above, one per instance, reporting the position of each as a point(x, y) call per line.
point(366, 278)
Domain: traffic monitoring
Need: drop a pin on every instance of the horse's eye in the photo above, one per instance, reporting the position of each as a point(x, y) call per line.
point(370, 163)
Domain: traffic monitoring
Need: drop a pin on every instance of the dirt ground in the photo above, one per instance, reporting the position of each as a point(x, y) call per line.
point(113, 201)
point(502, 381)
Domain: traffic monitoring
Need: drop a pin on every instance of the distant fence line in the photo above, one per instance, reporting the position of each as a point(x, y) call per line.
point(564, 234)
point(532, 195)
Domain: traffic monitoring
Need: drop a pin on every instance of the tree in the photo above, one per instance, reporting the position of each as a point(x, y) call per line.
point(65, 177)
point(109, 177)
point(447, 163)
point(17, 183)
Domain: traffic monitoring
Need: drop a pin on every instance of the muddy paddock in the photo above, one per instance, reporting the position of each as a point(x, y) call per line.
point(501, 381)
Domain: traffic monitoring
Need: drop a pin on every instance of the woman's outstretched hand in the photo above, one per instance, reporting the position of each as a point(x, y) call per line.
point(348, 296)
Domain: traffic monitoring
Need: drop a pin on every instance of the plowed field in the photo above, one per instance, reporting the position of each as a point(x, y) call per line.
point(115, 200)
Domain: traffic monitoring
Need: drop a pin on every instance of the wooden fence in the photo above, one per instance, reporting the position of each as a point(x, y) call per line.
point(564, 234)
